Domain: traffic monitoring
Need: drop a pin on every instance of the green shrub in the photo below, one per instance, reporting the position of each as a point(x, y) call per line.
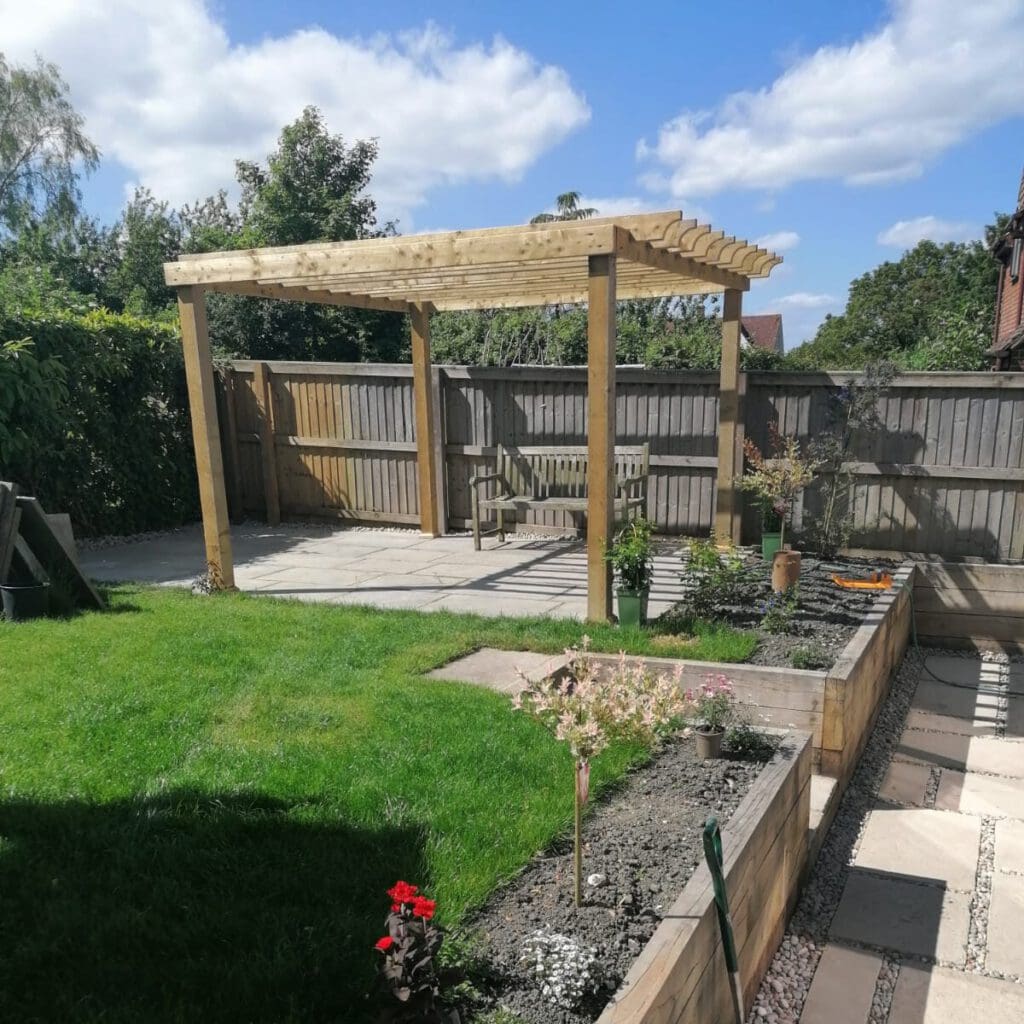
point(811, 656)
point(94, 419)
point(712, 578)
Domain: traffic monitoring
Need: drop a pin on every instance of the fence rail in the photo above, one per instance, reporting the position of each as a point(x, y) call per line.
point(944, 476)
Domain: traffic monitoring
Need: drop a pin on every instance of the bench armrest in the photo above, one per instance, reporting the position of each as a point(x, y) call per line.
point(485, 478)
point(625, 485)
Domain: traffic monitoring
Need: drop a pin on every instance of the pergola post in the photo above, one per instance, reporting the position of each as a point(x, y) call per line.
point(730, 422)
point(202, 400)
point(429, 466)
point(600, 434)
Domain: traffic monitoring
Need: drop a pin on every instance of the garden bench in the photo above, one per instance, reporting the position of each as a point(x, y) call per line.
point(553, 478)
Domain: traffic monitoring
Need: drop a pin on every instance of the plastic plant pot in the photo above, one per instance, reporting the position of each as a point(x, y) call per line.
point(29, 602)
point(770, 543)
point(632, 607)
point(709, 743)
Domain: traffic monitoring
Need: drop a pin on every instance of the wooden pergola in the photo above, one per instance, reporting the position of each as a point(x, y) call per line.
point(594, 261)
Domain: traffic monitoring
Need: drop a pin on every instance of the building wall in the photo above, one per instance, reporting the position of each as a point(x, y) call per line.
point(1009, 315)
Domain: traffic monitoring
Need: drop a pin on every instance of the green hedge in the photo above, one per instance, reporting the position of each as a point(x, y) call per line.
point(94, 419)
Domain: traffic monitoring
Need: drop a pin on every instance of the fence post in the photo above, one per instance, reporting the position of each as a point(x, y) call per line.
point(264, 389)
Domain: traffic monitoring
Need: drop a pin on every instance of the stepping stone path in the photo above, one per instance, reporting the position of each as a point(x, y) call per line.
point(914, 913)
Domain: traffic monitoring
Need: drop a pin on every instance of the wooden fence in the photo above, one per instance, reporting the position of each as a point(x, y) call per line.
point(945, 475)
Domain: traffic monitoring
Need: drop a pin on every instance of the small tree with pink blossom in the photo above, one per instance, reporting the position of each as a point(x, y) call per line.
point(594, 705)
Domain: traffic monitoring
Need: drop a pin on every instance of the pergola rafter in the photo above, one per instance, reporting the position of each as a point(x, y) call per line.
point(596, 261)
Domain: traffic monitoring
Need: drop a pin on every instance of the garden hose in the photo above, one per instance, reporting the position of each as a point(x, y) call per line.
point(713, 855)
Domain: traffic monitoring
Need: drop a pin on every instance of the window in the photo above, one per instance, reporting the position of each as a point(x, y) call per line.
point(1015, 260)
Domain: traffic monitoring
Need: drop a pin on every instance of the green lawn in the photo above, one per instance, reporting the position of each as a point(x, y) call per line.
point(203, 800)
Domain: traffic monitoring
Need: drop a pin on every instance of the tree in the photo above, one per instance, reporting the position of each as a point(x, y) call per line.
point(41, 143)
point(567, 207)
point(903, 307)
point(312, 189)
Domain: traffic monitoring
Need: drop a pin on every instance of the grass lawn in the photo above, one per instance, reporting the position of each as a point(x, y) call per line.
point(203, 800)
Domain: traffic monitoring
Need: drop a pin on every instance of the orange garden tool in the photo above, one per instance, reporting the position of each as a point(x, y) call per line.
point(876, 581)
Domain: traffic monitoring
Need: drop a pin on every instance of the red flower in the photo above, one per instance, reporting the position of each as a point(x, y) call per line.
point(423, 907)
point(402, 892)
point(384, 944)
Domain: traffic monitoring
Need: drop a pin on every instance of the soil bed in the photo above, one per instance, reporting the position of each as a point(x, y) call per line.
point(826, 616)
point(645, 840)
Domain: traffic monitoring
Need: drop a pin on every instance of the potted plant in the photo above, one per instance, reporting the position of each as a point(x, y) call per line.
point(776, 482)
point(771, 531)
point(713, 709)
point(632, 559)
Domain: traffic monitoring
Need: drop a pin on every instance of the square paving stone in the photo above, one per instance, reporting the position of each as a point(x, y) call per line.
point(843, 987)
point(922, 844)
point(972, 793)
point(905, 784)
point(1006, 925)
point(907, 917)
point(499, 670)
point(964, 671)
point(963, 753)
point(954, 709)
point(938, 995)
point(1009, 846)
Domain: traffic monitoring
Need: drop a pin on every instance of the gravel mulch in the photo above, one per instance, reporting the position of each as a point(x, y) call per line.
point(825, 618)
point(641, 846)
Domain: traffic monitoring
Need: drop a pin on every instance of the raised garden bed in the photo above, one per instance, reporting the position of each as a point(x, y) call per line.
point(645, 844)
point(825, 616)
point(837, 706)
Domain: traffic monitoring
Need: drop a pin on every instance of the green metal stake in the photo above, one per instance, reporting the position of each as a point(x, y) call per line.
point(713, 855)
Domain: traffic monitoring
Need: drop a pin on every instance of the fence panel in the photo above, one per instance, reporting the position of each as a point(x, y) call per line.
point(944, 476)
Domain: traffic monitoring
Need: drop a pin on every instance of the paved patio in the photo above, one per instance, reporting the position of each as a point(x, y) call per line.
point(934, 898)
point(385, 568)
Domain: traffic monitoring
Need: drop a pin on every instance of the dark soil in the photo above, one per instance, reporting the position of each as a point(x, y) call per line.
point(826, 615)
point(645, 840)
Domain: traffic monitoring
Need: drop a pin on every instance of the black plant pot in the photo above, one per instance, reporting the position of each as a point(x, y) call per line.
point(20, 603)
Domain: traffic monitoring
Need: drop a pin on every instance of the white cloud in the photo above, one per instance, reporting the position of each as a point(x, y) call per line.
point(869, 113)
point(778, 241)
point(806, 300)
point(905, 234)
point(166, 93)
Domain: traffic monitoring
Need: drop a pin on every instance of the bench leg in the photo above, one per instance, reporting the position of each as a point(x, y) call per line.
point(501, 525)
point(476, 520)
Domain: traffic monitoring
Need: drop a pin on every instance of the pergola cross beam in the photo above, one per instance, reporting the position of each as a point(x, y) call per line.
point(596, 261)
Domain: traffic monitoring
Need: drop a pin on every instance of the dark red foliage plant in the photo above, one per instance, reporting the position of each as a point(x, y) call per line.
point(408, 967)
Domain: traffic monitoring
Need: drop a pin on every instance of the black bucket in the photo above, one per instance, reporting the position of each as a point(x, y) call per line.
point(22, 603)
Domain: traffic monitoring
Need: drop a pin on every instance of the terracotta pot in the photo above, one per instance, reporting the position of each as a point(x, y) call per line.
point(709, 743)
point(785, 570)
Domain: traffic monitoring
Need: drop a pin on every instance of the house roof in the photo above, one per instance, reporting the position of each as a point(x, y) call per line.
point(764, 330)
point(1010, 342)
point(523, 265)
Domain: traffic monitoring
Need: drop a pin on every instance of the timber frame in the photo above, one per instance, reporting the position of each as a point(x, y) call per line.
point(597, 261)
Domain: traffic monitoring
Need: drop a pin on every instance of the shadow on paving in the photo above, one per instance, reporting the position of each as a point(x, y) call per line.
point(191, 907)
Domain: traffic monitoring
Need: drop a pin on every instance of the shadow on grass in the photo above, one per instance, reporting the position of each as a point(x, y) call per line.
point(191, 907)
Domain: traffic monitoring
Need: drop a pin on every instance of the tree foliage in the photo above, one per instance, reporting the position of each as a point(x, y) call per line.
point(567, 207)
point(934, 306)
point(41, 142)
point(94, 419)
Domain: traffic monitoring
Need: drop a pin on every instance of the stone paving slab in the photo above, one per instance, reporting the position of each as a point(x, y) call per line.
point(500, 670)
point(905, 784)
point(973, 672)
point(922, 844)
point(902, 915)
point(1009, 846)
point(954, 709)
point(1006, 925)
point(963, 753)
point(972, 793)
point(938, 995)
point(843, 986)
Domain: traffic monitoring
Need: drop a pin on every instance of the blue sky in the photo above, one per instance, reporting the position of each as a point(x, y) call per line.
point(840, 132)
